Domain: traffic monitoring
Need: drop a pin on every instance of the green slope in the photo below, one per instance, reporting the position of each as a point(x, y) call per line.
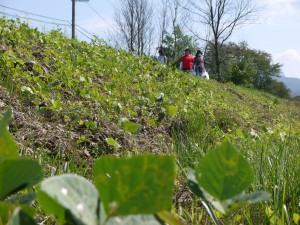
point(89, 88)
point(74, 101)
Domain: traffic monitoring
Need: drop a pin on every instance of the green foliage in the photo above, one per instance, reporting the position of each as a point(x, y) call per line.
point(248, 67)
point(130, 126)
point(142, 184)
point(19, 217)
point(112, 142)
point(7, 145)
point(174, 45)
point(128, 188)
point(221, 179)
point(223, 173)
point(70, 198)
point(15, 175)
point(22, 174)
point(83, 90)
point(16, 214)
point(134, 220)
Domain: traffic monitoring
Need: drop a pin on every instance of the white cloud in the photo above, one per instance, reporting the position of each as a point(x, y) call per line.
point(277, 9)
point(290, 59)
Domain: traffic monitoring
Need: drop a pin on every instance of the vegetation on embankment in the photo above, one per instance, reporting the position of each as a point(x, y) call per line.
point(74, 101)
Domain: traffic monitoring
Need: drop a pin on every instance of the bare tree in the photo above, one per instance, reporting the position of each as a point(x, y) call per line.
point(175, 11)
point(221, 18)
point(162, 20)
point(134, 20)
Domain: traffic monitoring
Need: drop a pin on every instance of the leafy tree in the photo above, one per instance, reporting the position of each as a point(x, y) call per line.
point(248, 67)
point(175, 43)
point(279, 89)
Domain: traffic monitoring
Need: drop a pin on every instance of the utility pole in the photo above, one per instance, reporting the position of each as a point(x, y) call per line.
point(73, 15)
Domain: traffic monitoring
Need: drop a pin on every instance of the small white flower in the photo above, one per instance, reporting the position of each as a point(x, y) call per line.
point(254, 134)
point(283, 135)
point(28, 89)
point(81, 78)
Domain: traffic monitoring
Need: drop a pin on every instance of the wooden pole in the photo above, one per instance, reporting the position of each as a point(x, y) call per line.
point(73, 19)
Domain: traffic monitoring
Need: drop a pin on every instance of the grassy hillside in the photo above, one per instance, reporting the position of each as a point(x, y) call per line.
point(74, 101)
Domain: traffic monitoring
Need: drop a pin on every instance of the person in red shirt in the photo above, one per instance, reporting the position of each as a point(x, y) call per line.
point(186, 61)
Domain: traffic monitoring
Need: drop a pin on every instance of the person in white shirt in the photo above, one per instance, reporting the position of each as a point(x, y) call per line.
point(162, 58)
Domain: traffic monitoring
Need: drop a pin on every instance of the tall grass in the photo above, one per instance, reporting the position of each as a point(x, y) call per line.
point(274, 156)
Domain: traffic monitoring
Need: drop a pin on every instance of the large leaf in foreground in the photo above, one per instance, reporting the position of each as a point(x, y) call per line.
point(19, 217)
point(17, 174)
point(134, 220)
point(224, 173)
point(139, 185)
point(25, 199)
point(8, 147)
point(23, 212)
point(70, 198)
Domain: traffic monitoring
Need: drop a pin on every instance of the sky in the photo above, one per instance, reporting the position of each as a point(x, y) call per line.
point(276, 32)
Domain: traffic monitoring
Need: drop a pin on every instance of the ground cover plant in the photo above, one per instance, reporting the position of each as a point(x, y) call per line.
point(137, 190)
point(75, 101)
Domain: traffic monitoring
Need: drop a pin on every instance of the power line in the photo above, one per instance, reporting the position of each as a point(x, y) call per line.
point(43, 21)
point(68, 23)
point(101, 16)
point(83, 33)
point(84, 30)
point(18, 10)
point(59, 24)
point(112, 4)
point(36, 20)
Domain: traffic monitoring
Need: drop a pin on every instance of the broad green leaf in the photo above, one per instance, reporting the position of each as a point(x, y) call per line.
point(26, 199)
point(127, 220)
point(19, 217)
point(296, 218)
point(240, 133)
point(6, 210)
point(139, 185)
point(171, 110)
point(229, 205)
point(195, 188)
point(135, 220)
point(8, 147)
point(272, 217)
point(131, 127)
point(224, 173)
point(193, 184)
point(113, 142)
point(70, 198)
point(56, 105)
point(169, 218)
point(90, 125)
point(16, 174)
point(254, 197)
point(51, 206)
point(152, 122)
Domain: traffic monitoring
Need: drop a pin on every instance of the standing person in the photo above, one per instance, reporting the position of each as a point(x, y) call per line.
point(199, 63)
point(162, 58)
point(186, 61)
